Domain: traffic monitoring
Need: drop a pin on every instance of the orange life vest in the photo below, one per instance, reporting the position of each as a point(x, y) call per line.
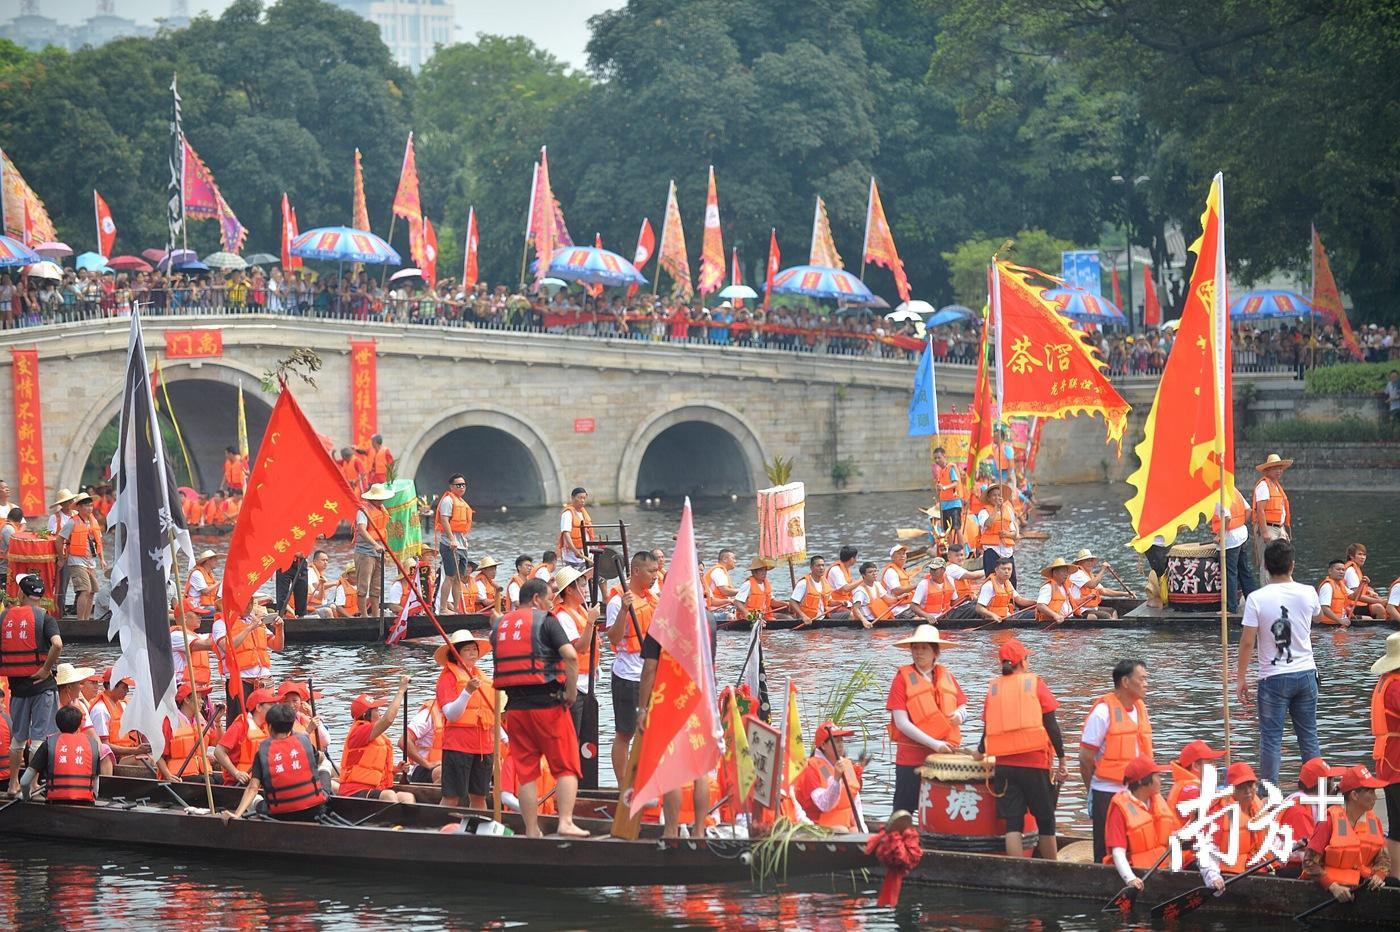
point(20, 653)
point(1380, 730)
point(1234, 825)
point(1339, 603)
point(115, 736)
point(903, 578)
point(1124, 740)
point(1149, 828)
point(233, 472)
point(379, 459)
point(210, 593)
point(184, 743)
point(879, 606)
point(86, 537)
point(489, 603)
point(480, 712)
point(1059, 598)
point(578, 520)
point(199, 660)
point(1001, 603)
point(1276, 509)
point(580, 619)
point(292, 784)
point(841, 815)
point(713, 598)
point(760, 596)
point(377, 523)
point(930, 705)
point(643, 606)
point(73, 764)
point(370, 764)
point(1361, 587)
point(948, 490)
point(1238, 515)
point(839, 599)
point(1090, 594)
point(350, 469)
point(461, 520)
point(964, 584)
point(813, 602)
point(522, 658)
point(938, 596)
point(242, 756)
point(1350, 852)
point(439, 723)
point(1000, 526)
point(1182, 779)
point(1014, 721)
point(352, 596)
point(253, 652)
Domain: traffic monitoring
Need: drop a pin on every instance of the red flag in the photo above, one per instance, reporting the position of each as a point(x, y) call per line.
point(1327, 298)
point(1118, 293)
point(359, 214)
point(736, 277)
point(428, 264)
point(469, 261)
point(646, 245)
point(982, 435)
point(289, 233)
point(679, 743)
point(106, 228)
point(712, 245)
point(774, 260)
point(1151, 308)
point(1188, 446)
point(407, 203)
point(597, 241)
point(879, 242)
point(542, 218)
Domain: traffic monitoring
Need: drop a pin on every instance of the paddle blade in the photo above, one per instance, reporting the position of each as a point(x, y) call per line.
point(1123, 902)
point(1178, 906)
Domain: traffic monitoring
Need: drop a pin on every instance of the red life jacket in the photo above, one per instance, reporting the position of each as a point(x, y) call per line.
point(73, 765)
point(522, 657)
point(292, 784)
point(20, 653)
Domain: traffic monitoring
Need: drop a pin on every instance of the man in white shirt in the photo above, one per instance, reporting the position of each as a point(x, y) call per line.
point(1000, 530)
point(1332, 596)
point(545, 570)
point(577, 618)
point(870, 601)
point(841, 579)
point(722, 588)
point(808, 599)
point(1287, 672)
point(626, 632)
point(1365, 599)
point(1129, 695)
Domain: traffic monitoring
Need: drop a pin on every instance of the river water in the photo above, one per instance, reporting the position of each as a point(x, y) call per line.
point(49, 886)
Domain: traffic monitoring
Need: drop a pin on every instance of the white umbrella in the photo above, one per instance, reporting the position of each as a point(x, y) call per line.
point(917, 307)
point(54, 250)
point(553, 283)
point(742, 292)
point(406, 273)
point(225, 260)
point(903, 313)
point(46, 270)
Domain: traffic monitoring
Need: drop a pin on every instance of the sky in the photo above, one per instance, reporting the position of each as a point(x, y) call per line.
point(560, 26)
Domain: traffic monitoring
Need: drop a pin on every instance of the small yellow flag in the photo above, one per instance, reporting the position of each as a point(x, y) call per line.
point(741, 756)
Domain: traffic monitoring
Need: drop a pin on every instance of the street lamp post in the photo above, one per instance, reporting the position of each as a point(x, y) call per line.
point(1130, 311)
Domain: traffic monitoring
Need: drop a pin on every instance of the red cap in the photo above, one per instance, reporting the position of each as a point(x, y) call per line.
point(1315, 771)
point(828, 730)
point(1197, 751)
point(1358, 778)
point(1240, 773)
point(1140, 768)
point(1013, 652)
point(259, 697)
point(182, 692)
point(107, 679)
point(363, 703)
point(294, 687)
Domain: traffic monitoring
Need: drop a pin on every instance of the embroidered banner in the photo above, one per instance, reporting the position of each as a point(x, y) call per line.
point(29, 431)
point(364, 388)
point(193, 344)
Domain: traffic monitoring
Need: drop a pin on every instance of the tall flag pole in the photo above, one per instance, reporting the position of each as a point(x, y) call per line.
point(289, 234)
point(175, 202)
point(529, 222)
point(1221, 397)
point(106, 227)
point(359, 212)
point(995, 298)
point(409, 205)
point(470, 271)
point(736, 275)
point(823, 250)
point(982, 431)
point(879, 243)
point(712, 244)
point(775, 259)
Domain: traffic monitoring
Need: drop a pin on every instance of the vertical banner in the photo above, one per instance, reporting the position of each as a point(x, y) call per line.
point(29, 430)
point(364, 389)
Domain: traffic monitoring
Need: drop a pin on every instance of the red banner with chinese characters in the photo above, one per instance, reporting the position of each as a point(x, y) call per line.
point(364, 391)
point(29, 430)
point(193, 344)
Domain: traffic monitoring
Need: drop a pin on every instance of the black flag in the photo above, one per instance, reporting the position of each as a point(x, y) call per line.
point(175, 209)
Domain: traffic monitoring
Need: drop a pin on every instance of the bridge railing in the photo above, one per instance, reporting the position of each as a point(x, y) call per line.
point(955, 346)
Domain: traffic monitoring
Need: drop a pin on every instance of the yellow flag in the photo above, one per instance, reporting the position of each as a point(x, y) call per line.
point(741, 756)
point(242, 426)
point(794, 751)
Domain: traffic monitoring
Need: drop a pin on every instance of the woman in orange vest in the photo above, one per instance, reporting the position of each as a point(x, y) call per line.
point(371, 528)
point(927, 708)
point(828, 788)
point(1385, 729)
point(1233, 831)
point(467, 699)
point(1186, 772)
point(577, 618)
point(181, 757)
point(1347, 849)
point(367, 764)
point(349, 579)
point(236, 749)
point(1139, 825)
point(1020, 732)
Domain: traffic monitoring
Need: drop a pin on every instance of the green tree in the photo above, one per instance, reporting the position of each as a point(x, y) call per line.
point(967, 262)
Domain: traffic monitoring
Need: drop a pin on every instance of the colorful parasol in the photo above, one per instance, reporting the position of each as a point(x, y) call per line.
point(818, 281)
point(1271, 303)
point(1084, 306)
point(13, 252)
point(342, 244)
point(595, 266)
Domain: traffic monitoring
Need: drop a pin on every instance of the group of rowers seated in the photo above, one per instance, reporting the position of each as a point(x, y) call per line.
point(1346, 592)
point(945, 588)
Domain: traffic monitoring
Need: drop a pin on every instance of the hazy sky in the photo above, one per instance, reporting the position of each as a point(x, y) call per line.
point(557, 25)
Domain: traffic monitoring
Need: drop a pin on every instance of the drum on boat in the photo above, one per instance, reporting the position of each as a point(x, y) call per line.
point(1193, 577)
point(958, 807)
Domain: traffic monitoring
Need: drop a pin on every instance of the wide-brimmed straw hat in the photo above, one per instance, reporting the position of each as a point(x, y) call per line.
point(566, 576)
point(923, 634)
point(206, 555)
point(1056, 564)
point(486, 563)
point(64, 497)
point(379, 492)
point(1273, 460)
point(459, 638)
point(1085, 554)
point(1391, 660)
point(758, 564)
point(66, 673)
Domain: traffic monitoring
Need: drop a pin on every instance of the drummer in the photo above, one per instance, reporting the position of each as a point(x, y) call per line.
point(927, 708)
point(1086, 586)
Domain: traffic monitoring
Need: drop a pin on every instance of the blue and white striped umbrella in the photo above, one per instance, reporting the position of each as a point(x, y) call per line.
point(819, 281)
point(342, 244)
point(13, 253)
point(595, 266)
point(1271, 303)
point(1085, 307)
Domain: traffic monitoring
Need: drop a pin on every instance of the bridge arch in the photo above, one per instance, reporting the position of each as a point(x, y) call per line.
point(522, 468)
point(697, 449)
point(204, 394)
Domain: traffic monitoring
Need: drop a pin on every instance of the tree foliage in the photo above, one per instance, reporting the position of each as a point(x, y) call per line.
point(967, 262)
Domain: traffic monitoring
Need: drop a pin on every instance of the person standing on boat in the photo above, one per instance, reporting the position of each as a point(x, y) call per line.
point(935, 593)
point(1019, 732)
point(380, 459)
point(1272, 515)
point(68, 762)
point(1286, 611)
point(896, 580)
point(82, 553)
point(452, 523)
point(828, 788)
point(251, 645)
point(284, 770)
point(628, 618)
point(948, 483)
point(371, 527)
point(367, 764)
point(1000, 530)
point(467, 699)
point(998, 597)
point(1347, 850)
point(1239, 561)
point(840, 579)
point(1116, 731)
point(927, 708)
point(1385, 727)
point(30, 646)
point(575, 529)
point(537, 668)
point(577, 618)
point(870, 602)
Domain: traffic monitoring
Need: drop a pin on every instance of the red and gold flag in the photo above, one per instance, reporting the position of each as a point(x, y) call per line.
point(982, 432)
point(204, 201)
point(428, 264)
point(408, 204)
point(879, 242)
point(106, 227)
point(24, 212)
point(542, 218)
point(29, 430)
point(1188, 448)
point(775, 259)
point(736, 277)
point(364, 391)
point(673, 255)
point(712, 244)
point(359, 214)
point(646, 245)
point(1045, 368)
point(1151, 307)
point(469, 259)
point(1327, 298)
point(289, 233)
point(823, 251)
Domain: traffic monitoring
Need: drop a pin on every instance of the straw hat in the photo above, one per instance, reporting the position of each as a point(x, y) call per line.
point(1085, 554)
point(459, 638)
point(1391, 660)
point(1274, 460)
point(566, 576)
point(206, 555)
point(378, 492)
point(757, 564)
point(924, 634)
point(486, 563)
point(82, 498)
point(64, 497)
point(66, 673)
point(1056, 564)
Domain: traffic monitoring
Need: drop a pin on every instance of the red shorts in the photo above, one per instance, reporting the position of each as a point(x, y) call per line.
point(547, 733)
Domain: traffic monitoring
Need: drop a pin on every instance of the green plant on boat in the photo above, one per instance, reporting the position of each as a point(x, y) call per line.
point(845, 702)
point(779, 470)
point(770, 853)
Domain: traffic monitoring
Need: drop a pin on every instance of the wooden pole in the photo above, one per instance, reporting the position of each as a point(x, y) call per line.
point(496, 758)
point(189, 674)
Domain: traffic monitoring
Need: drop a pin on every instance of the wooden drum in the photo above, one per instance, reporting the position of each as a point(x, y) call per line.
point(958, 808)
point(1193, 577)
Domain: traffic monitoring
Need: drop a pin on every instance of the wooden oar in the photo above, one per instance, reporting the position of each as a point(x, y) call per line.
point(911, 533)
point(1127, 588)
point(1127, 897)
point(1195, 898)
point(1311, 911)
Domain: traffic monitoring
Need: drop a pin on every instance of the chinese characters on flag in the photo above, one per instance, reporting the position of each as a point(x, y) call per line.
point(29, 430)
point(364, 388)
point(193, 344)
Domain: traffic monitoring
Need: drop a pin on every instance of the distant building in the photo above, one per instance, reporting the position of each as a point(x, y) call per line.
point(36, 32)
point(412, 29)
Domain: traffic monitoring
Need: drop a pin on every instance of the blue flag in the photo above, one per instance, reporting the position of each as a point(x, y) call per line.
point(923, 405)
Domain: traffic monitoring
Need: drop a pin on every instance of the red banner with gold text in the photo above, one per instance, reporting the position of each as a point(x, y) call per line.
point(364, 391)
point(193, 344)
point(29, 430)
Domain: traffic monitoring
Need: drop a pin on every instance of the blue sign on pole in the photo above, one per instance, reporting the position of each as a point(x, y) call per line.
point(1080, 269)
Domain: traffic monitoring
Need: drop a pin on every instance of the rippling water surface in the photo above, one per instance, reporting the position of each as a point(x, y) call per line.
point(52, 886)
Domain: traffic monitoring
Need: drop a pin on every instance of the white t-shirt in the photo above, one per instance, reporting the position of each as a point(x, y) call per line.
point(420, 729)
point(860, 597)
point(218, 633)
point(626, 665)
point(836, 576)
point(955, 572)
point(1044, 595)
point(566, 527)
point(1352, 579)
point(719, 576)
point(1095, 731)
point(799, 592)
point(447, 535)
point(543, 572)
point(1261, 492)
point(195, 585)
point(1236, 537)
point(571, 631)
point(1077, 581)
point(1324, 593)
point(1283, 613)
point(101, 719)
point(743, 594)
point(513, 591)
point(890, 579)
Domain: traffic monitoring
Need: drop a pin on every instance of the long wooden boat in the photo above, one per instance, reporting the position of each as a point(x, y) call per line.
point(311, 629)
point(391, 842)
point(1255, 896)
